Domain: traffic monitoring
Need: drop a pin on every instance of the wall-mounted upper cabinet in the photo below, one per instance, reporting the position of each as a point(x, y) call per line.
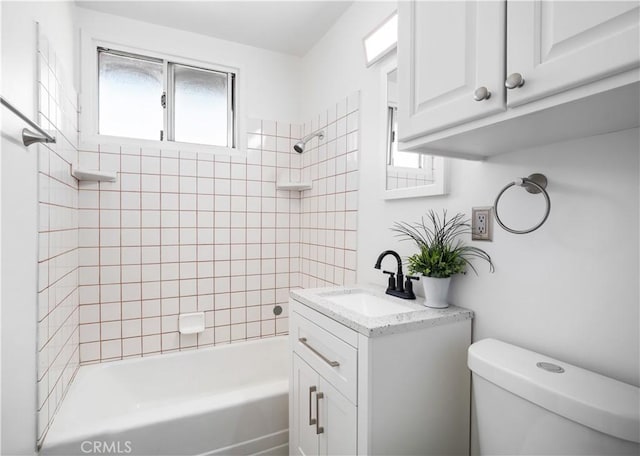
point(452, 64)
point(556, 70)
point(559, 45)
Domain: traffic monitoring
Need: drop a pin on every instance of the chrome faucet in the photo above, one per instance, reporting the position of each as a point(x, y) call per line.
point(396, 287)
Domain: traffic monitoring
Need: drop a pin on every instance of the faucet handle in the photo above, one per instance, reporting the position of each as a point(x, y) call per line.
point(392, 282)
point(408, 286)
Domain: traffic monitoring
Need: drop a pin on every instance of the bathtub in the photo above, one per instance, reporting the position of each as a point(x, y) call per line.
point(225, 400)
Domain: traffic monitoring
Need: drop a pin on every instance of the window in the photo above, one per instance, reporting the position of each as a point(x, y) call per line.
point(147, 98)
point(408, 174)
point(394, 156)
point(129, 96)
point(400, 159)
point(382, 40)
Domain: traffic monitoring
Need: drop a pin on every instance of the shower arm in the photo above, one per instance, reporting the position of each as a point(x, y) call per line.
point(310, 136)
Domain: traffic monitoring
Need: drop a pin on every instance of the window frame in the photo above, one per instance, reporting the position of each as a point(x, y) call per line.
point(440, 165)
point(89, 100)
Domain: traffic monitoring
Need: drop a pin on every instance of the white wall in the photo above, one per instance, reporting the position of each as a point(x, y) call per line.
point(19, 212)
point(569, 290)
point(272, 83)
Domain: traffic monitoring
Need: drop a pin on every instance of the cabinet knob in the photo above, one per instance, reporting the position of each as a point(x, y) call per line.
point(481, 93)
point(514, 80)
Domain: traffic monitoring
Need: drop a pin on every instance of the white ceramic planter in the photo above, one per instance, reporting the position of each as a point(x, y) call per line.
point(435, 291)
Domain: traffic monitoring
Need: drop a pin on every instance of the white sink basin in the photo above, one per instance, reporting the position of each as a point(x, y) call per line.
point(367, 304)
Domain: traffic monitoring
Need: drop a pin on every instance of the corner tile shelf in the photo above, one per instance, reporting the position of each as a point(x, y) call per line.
point(94, 175)
point(299, 186)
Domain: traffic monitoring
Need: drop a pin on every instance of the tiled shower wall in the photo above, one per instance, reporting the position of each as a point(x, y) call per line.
point(58, 339)
point(329, 209)
point(183, 232)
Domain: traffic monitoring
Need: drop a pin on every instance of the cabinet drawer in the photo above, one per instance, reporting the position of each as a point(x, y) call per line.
point(331, 357)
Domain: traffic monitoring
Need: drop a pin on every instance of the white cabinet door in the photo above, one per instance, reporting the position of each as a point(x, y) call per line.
point(560, 45)
point(338, 418)
point(303, 438)
point(447, 50)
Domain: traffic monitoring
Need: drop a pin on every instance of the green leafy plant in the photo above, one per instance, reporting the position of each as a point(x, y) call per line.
point(441, 253)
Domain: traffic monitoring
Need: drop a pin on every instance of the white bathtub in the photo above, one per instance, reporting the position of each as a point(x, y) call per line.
point(225, 400)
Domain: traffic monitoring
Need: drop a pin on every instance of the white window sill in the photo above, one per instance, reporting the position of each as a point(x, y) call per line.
point(90, 142)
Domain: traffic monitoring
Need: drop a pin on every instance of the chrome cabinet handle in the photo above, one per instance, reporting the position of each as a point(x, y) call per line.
point(514, 81)
point(303, 341)
point(319, 429)
point(312, 421)
point(481, 93)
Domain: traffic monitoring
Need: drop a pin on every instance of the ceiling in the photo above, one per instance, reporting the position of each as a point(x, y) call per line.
point(291, 27)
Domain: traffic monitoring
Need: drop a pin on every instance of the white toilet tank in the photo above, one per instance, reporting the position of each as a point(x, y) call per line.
point(521, 407)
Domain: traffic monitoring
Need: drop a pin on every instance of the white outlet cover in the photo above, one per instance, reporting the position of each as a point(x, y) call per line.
point(482, 223)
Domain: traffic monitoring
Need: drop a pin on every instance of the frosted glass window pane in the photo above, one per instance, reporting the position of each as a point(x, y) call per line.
point(201, 106)
point(130, 89)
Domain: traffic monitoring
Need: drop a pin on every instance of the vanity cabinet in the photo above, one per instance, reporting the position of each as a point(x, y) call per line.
point(324, 420)
point(573, 56)
point(399, 389)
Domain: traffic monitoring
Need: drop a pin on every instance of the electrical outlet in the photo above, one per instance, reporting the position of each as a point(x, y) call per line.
point(482, 224)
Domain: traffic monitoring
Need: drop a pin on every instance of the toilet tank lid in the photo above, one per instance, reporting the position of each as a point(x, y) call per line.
point(591, 399)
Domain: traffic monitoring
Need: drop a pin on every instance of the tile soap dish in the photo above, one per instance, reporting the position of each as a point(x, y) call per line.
point(94, 175)
point(191, 323)
point(288, 185)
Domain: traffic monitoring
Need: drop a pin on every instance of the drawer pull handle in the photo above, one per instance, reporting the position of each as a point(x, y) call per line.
point(312, 390)
point(319, 429)
point(303, 341)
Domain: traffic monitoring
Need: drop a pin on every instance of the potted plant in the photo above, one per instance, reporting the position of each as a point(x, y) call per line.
point(441, 253)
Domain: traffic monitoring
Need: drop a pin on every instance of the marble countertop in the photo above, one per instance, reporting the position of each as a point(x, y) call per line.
point(422, 316)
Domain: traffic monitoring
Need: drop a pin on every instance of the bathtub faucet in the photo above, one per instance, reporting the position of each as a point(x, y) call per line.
point(396, 288)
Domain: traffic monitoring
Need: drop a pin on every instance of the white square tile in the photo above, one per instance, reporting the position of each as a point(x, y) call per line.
point(170, 341)
point(169, 323)
point(132, 346)
point(254, 141)
point(222, 334)
point(111, 349)
point(151, 344)
point(169, 166)
point(89, 352)
point(150, 165)
point(188, 167)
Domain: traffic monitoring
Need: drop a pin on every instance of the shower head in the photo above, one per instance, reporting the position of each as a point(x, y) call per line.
point(299, 146)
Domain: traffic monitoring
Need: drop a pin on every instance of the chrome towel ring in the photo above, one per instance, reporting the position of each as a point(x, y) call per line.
point(535, 183)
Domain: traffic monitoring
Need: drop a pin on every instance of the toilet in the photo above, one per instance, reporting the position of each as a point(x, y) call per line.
point(525, 403)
